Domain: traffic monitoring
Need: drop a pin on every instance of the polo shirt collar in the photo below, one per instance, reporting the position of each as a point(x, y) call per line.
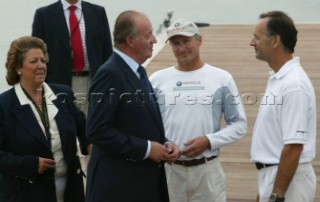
point(288, 66)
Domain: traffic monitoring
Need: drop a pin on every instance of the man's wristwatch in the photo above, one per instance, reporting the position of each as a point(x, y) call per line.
point(275, 198)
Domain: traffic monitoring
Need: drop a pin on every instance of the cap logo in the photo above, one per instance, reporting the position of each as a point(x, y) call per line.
point(183, 28)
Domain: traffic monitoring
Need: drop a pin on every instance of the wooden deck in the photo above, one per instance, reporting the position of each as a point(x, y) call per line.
point(227, 47)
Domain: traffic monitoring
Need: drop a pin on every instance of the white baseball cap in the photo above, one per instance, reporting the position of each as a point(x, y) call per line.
point(182, 27)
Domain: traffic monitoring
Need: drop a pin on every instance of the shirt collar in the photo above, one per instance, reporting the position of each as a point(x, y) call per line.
point(23, 99)
point(131, 62)
point(66, 4)
point(285, 68)
point(50, 96)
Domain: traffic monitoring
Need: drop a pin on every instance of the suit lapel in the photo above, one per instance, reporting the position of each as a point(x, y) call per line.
point(25, 116)
point(62, 123)
point(60, 24)
point(134, 81)
point(89, 22)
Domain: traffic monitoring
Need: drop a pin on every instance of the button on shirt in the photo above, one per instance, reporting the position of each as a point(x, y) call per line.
point(287, 115)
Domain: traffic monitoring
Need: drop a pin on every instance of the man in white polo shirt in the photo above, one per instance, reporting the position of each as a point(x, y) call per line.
point(284, 135)
point(193, 97)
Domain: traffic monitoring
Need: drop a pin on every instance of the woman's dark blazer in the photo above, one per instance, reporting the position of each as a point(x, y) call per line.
point(22, 142)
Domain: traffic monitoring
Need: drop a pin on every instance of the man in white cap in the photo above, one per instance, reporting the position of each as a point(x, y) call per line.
point(193, 97)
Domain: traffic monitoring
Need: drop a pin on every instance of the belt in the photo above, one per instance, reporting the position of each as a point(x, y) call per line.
point(194, 162)
point(82, 73)
point(262, 165)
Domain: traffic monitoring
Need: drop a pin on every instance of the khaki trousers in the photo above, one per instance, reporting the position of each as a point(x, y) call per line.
point(202, 183)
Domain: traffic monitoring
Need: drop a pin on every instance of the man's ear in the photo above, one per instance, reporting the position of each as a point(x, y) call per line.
point(276, 40)
point(129, 41)
point(200, 39)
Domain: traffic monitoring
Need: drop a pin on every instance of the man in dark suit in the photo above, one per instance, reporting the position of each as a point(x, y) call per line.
point(51, 24)
point(124, 122)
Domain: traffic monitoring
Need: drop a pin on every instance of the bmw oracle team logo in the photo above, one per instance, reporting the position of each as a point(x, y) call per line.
point(179, 83)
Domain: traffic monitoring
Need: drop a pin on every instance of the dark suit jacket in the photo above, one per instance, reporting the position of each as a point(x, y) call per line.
point(120, 121)
point(22, 142)
point(50, 25)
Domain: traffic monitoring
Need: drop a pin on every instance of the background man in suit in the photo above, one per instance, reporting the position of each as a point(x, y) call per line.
point(124, 122)
point(67, 66)
point(54, 24)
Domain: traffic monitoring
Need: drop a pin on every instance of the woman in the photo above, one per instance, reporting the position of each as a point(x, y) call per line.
point(38, 127)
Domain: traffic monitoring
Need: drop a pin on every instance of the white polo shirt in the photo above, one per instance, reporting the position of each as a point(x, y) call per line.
point(287, 115)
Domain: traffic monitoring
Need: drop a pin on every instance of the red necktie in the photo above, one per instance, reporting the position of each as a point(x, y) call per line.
point(76, 43)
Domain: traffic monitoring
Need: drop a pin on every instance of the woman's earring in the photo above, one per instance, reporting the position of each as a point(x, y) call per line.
point(19, 73)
